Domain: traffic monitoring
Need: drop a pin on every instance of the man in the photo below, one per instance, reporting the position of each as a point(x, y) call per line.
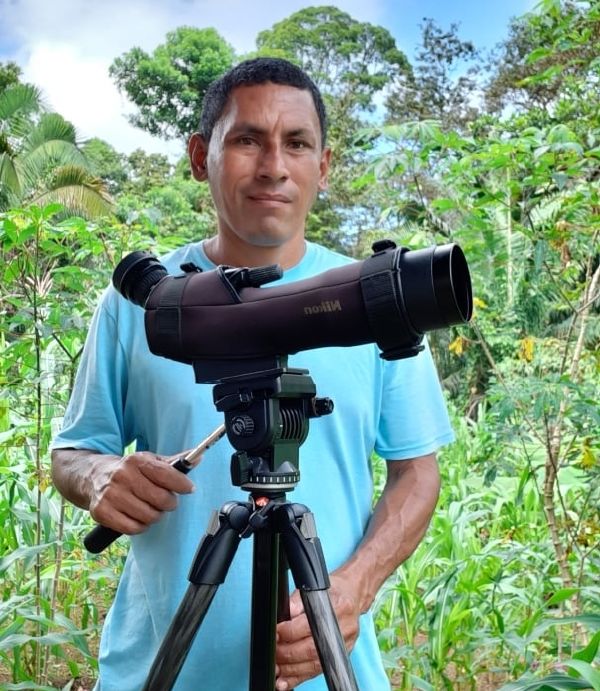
point(261, 148)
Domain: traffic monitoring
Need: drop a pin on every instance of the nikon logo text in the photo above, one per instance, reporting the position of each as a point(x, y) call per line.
point(325, 306)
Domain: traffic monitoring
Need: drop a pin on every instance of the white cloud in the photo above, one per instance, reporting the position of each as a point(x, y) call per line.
point(79, 88)
point(66, 47)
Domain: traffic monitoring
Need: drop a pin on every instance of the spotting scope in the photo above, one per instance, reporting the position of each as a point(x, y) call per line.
point(391, 298)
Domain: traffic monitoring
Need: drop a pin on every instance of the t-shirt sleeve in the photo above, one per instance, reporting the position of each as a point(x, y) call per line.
point(94, 416)
point(414, 420)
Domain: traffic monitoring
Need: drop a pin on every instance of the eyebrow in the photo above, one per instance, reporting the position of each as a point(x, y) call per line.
point(249, 128)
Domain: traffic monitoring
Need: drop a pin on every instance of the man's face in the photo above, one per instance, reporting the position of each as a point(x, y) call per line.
point(264, 164)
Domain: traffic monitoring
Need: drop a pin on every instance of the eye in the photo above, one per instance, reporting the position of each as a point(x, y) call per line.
point(298, 144)
point(245, 140)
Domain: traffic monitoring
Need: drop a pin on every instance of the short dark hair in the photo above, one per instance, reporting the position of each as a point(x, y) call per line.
point(250, 73)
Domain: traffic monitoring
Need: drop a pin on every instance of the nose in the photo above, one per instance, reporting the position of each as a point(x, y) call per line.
point(272, 164)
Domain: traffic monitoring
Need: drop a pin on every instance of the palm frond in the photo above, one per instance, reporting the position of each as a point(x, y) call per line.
point(18, 100)
point(9, 177)
point(75, 189)
point(51, 127)
point(38, 163)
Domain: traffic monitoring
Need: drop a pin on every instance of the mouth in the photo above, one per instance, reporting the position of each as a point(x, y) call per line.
point(269, 199)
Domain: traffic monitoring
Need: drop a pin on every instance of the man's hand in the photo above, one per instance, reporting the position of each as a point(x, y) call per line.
point(297, 658)
point(131, 493)
point(126, 493)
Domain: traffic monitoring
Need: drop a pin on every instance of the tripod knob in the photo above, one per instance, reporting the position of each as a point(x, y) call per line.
point(242, 425)
point(322, 406)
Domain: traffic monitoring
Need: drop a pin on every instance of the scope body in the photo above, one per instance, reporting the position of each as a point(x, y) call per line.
point(391, 298)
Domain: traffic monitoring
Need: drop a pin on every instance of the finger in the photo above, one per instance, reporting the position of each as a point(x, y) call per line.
point(162, 474)
point(296, 605)
point(156, 496)
point(291, 676)
point(126, 504)
point(293, 630)
point(296, 651)
point(128, 483)
point(119, 521)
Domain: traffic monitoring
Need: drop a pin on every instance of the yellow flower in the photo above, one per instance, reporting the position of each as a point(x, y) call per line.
point(526, 349)
point(458, 346)
point(588, 457)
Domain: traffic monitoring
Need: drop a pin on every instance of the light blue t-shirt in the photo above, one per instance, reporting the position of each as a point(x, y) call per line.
point(124, 394)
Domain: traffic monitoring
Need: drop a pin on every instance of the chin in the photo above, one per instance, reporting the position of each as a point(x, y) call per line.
point(267, 238)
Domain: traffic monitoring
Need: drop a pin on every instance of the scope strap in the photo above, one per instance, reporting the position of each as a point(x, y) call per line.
point(381, 287)
point(168, 319)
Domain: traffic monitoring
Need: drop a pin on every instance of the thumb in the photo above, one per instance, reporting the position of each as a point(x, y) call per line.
point(296, 606)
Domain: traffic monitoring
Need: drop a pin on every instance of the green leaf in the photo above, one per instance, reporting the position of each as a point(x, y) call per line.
point(27, 686)
point(537, 54)
point(443, 204)
point(561, 596)
point(421, 684)
point(552, 682)
point(22, 553)
point(588, 653)
point(586, 671)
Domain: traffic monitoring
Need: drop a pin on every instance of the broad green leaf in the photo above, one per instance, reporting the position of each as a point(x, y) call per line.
point(561, 596)
point(588, 653)
point(22, 553)
point(587, 672)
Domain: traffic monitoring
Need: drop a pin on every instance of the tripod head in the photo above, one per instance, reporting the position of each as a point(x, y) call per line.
point(266, 411)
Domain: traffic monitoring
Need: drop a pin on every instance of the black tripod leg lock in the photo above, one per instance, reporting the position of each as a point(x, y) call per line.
point(296, 525)
point(219, 544)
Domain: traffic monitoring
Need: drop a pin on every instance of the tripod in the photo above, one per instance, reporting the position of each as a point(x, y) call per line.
point(266, 419)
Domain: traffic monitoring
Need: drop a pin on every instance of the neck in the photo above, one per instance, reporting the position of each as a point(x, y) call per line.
point(231, 254)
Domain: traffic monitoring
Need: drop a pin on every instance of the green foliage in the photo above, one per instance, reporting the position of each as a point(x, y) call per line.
point(521, 196)
point(168, 86)
point(106, 163)
point(481, 600)
point(40, 161)
point(349, 60)
point(53, 595)
point(10, 73)
point(545, 53)
point(440, 86)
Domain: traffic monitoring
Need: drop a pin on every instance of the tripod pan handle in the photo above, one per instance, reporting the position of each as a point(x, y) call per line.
point(99, 538)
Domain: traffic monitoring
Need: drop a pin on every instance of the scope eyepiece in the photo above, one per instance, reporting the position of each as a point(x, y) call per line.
point(136, 275)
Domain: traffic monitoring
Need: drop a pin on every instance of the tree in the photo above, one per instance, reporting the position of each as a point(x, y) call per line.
point(40, 161)
point(147, 170)
point(443, 84)
point(521, 196)
point(543, 53)
point(106, 163)
point(10, 73)
point(350, 61)
point(168, 86)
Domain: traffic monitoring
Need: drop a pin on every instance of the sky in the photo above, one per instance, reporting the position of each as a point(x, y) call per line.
point(65, 47)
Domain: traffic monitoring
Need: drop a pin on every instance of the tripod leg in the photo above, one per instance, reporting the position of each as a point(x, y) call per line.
point(209, 568)
point(178, 639)
point(305, 557)
point(265, 586)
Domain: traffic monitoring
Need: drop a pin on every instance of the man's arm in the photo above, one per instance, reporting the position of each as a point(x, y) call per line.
point(126, 493)
point(398, 524)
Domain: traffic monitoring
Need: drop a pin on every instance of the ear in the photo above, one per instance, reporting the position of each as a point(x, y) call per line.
point(324, 169)
point(197, 151)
